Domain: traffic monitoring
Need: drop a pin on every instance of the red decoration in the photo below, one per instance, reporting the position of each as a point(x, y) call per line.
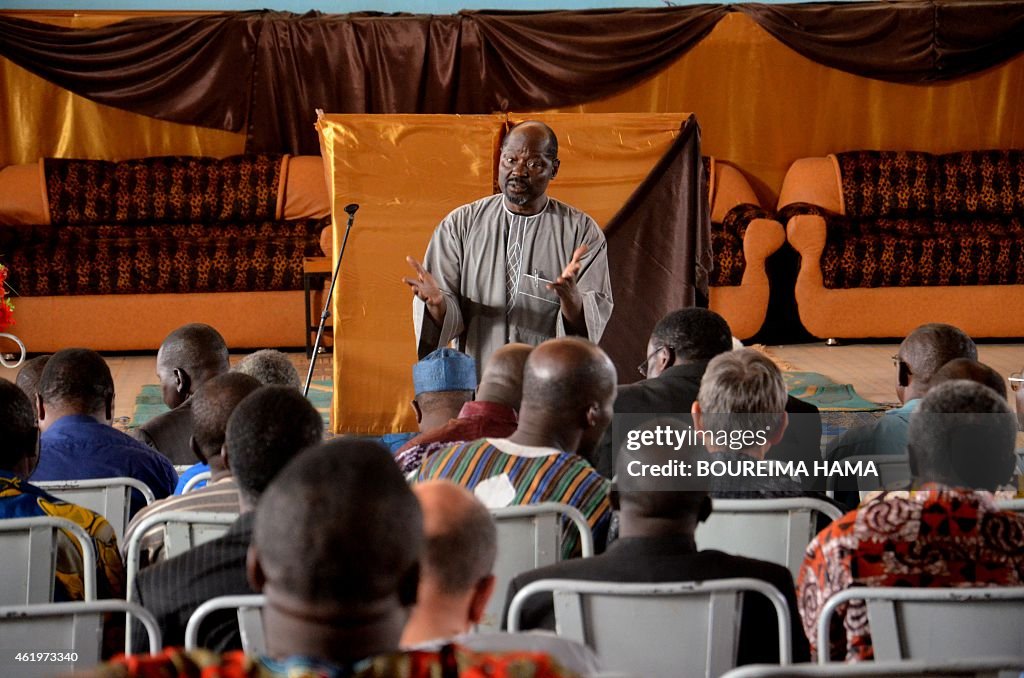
point(6, 305)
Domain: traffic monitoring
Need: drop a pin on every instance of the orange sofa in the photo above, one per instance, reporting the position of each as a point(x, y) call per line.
point(743, 236)
point(113, 256)
point(890, 240)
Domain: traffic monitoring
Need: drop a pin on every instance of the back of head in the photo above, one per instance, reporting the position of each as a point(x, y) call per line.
point(962, 435)
point(29, 375)
point(931, 346)
point(693, 334)
point(502, 380)
point(270, 368)
point(566, 375)
point(742, 382)
point(77, 379)
point(267, 430)
point(367, 549)
point(444, 381)
point(971, 370)
point(462, 541)
point(18, 432)
point(212, 406)
point(196, 348)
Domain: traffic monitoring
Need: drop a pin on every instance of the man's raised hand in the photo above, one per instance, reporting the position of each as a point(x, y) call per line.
point(565, 287)
point(426, 288)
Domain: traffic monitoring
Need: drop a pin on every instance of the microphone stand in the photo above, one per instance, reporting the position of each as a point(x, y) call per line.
point(326, 313)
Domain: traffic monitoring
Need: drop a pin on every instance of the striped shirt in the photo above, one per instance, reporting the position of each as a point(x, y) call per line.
point(535, 475)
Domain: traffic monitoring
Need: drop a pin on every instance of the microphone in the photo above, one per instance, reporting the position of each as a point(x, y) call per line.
point(350, 209)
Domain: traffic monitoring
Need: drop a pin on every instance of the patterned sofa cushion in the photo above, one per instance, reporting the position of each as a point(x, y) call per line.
point(727, 243)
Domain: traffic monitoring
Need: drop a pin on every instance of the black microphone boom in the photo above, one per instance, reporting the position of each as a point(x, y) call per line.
point(350, 210)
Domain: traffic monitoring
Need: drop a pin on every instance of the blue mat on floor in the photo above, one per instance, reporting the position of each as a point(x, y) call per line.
point(150, 403)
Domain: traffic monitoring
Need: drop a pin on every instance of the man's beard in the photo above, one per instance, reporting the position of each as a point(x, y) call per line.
point(518, 198)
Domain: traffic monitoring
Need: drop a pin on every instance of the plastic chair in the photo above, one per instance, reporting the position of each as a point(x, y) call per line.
point(936, 624)
point(191, 483)
point(776, 530)
point(109, 497)
point(530, 536)
point(28, 559)
point(250, 621)
point(670, 629)
point(976, 668)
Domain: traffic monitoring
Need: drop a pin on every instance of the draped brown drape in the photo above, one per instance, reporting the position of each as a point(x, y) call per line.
point(269, 70)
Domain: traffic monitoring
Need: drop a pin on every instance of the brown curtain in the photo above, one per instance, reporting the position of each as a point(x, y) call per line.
point(659, 251)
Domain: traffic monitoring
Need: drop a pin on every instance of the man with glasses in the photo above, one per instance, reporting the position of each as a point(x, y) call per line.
point(518, 266)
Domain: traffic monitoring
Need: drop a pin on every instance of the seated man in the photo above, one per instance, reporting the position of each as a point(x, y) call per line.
point(494, 413)
point(76, 406)
point(19, 453)
point(188, 357)
point(212, 406)
point(568, 388)
point(457, 580)
point(270, 368)
point(971, 370)
point(948, 533)
point(657, 525)
point(265, 431)
point(329, 613)
point(28, 377)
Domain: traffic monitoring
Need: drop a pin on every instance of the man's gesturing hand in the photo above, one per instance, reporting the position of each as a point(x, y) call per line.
point(565, 287)
point(425, 287)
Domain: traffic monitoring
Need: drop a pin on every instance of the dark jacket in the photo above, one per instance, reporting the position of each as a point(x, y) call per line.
point(170, 433)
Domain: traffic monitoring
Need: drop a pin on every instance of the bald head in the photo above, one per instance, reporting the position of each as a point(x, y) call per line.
point(971, 370)
point(462, 541)
point(211, 409)
point(928, 348)
point(502, 380)
point(535, 133)
point(188, 357)
point(568, 374)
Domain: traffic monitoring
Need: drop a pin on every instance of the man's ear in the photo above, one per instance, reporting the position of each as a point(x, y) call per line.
point(254, 571)
point(698, 423)
point(704, 512)
point(182, 383)
point(416, 409)
point(555, 164)
point(40, 408)
point(108, 412)
point(225, 458)
point(195, 450)
point(482, 592)
point(775, 435)
point(409, 585)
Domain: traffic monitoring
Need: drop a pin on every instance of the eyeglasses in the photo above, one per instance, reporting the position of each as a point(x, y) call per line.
point(1016, 381)
point(642, 367)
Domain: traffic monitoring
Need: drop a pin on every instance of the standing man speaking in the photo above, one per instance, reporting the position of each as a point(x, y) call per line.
point(515, 267)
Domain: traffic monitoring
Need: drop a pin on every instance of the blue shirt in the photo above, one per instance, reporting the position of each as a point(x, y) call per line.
point(77, 447)
point(186, 475)
point(394, 441)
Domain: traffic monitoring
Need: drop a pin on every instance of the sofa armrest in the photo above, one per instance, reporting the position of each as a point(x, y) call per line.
point(739, 218)
point(807, 233)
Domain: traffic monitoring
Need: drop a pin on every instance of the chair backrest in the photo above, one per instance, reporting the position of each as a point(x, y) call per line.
point(191, 483)
point(936, 624)
point(28, 559)
point(671, 629)
point(74, 628)
point(530, 536)
point(109, 497)
point(1016, 505)
point(893, 471)
point(776, 530)
point(975, 668)
point(250, 621)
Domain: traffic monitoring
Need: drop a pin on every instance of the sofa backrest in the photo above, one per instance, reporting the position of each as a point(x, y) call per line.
point(170, 189)
point(980, 183)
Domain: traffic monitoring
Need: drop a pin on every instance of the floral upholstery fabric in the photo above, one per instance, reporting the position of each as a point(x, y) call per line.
point(161, 225)
point(917, 219)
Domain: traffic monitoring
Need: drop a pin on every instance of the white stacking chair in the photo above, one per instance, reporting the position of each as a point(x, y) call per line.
point(74, 628)
point(973, 668)
point(678, 629)
point(109, 497)
point(776, 530)
point(530, 536)
point(1015, 505)
point(28, 559)
point(250, 621)
point(893, 470)
point(936, 624)
point(191, 483)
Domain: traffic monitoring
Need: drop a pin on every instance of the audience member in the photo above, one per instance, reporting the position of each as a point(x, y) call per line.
point(678, 352)
point(76, 405)
point(658, 520)
point(188, 357)
point(971, 370)
point(19, 453)
point(338, 591)
point(457, 581)
point(270, 368)
point(28, 377)
point(212, 406)
point(1017, 385)
point(949, 533)
point(568, 388)
point(494, 413)
point(264, 432)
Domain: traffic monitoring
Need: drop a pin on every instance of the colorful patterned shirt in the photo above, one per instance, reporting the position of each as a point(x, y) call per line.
point(532, 474)
point(938, 536)
point(450, 661)
point(19, 499)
